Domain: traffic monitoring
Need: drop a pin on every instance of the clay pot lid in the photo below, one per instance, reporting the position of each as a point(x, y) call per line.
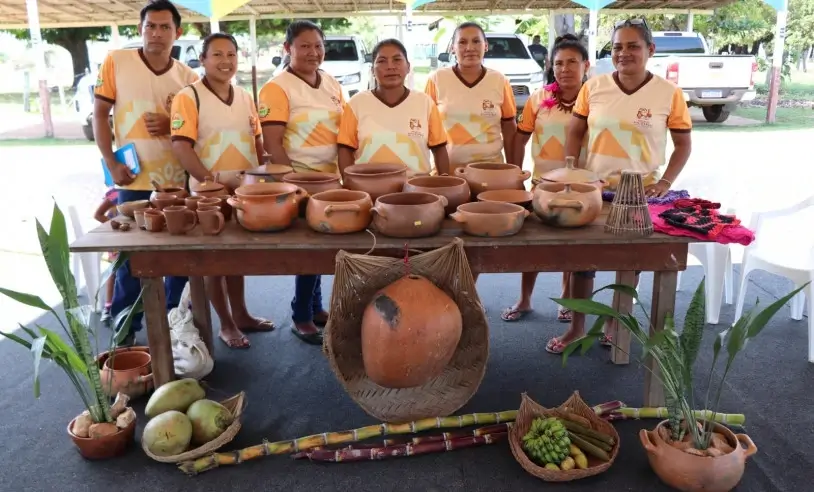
point(208, 186)
point(570, 174)
point(271, 169)
point(567, 188)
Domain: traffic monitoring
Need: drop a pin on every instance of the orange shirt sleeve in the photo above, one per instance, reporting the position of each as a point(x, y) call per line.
point(348, 129)
point(529, 116)
point(192, 76)
point(508, 110)
point(437, 136)
point(274, 107)
point(582, 107)
point(431, 90)
point(106, 81)
point(679, 118)
point(258, 130)
point(184, 123)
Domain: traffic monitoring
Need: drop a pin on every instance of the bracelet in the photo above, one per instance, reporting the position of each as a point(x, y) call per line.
point(669, 183)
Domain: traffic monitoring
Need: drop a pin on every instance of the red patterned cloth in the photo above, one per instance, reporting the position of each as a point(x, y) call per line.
point(699, 219)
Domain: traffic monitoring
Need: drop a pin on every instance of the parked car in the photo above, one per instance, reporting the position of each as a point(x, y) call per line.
point(509, 55)
point(715, 83)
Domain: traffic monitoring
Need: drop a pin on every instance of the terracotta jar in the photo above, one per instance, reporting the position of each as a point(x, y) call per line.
point(408, 214)
point(126, 370)
point(105, 447)
point(339, 211)
point(690, 473)
point(569, 173)
point(491, 219)
point(314, 182)
point(180, 220)
point(484, 177)
point(267, 207)
point(209, 188)
point(517, 197)
point(375, 179)
point(232, 180)
point(567, 205)
point(267, 173)
point(454, 189)
point(179, 193)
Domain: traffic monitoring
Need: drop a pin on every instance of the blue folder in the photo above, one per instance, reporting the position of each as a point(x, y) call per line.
point(127, 156)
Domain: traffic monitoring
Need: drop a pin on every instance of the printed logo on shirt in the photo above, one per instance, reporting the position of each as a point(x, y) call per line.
point(336, 101)
point(168, 101)
point(263, 111)
point(252, 124)
point(415, 129)
point(99, 81)
point(643, 118)
point(177, 122)
point(488, 108)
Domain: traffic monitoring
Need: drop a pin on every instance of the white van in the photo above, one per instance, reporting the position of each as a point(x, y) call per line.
point(509, 55)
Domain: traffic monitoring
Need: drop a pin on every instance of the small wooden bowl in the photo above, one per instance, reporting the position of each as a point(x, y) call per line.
point(128, 208)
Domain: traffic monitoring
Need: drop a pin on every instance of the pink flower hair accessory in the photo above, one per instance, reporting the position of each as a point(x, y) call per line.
point(552, 88)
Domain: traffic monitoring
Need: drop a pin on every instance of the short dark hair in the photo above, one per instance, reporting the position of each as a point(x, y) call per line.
point(300, 26)
point(217, 35)
point(160, 6)
point(389, 42)
point(467, 25)
point(638, 24)
point(565, 42)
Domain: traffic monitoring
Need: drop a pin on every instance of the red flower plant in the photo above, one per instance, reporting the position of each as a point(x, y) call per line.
point(552, 88)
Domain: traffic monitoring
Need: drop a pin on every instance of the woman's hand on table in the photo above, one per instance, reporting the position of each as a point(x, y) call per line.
point(657, 190)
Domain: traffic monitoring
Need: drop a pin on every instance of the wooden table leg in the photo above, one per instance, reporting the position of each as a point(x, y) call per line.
point(620, 350)
point(664, 301)
point(158, 330)
point(201, 314)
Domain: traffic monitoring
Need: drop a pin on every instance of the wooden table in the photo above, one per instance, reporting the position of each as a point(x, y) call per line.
point(299, 250)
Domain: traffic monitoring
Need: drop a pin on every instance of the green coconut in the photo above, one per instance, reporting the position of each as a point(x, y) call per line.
point(209, 420)
point(168, 434)
point(175, 395)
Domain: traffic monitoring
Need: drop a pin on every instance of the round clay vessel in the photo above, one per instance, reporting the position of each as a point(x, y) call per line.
point(569, 173)
point(129, 208)
point(517, 197)
point(266, 207)
point(267, 173)
point(131, 373)
point(485, 176)
point(339, 211)
point(179, 193)
point(164, 200)
point(409, 214)
point(314, 182)
point(454, 189)
point(567, 205)
point(209, 188)
point(690, 473)
point(375, 179)
point(230, 179)
point(106, 447)
point(490, 219)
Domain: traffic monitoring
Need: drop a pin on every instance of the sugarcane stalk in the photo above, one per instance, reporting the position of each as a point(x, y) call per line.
point(737, 419)
point(607, 407)
point(216, 460)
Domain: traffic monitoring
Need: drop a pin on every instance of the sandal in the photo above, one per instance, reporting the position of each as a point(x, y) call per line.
point(513, 314)
point(606, 341)
point(262, 325)
point(310, 338)
point(241, 343)
point(555, 346)
point(564, 315)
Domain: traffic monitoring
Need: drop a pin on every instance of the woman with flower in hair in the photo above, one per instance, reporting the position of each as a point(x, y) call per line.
point(545, 120)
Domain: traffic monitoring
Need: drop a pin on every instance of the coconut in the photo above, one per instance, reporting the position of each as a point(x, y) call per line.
point(167, 434)
point(175, 395)
point(209, 420)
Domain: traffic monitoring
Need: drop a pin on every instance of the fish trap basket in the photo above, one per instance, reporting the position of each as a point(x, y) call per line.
point(530, 410)
point(236, 405)
point(358, 278)
point(629, 214)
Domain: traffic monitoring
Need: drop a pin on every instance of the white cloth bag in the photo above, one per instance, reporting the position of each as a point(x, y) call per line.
point(190, 355)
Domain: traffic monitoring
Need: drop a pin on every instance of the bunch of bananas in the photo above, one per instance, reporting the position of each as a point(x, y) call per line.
point(548, 443)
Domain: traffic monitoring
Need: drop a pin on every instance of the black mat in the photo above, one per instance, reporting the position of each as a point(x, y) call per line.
point(292, 393)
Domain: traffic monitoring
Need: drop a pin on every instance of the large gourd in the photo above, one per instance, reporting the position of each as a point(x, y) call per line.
point(410, 331)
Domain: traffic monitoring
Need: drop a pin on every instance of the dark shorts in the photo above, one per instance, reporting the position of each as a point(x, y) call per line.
point(592, 274)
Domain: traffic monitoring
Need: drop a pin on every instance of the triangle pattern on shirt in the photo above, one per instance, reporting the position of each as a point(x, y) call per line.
point(552, 150)
point(231, 160)
point(457, 133)
point(320, 136)
point(607, 145)
point(385, 155)
point(138, 130)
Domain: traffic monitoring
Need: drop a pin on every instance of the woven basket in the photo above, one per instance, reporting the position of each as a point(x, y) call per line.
point(358, 278)
point(235, 404)
point(529, 410)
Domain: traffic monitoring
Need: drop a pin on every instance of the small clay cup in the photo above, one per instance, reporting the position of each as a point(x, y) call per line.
point(138, 216)
point(154, 220)
point(209, 202)
point(211, 220)
point(164, 200)
point(180, 219)
point(191, 202)
point(225, 208)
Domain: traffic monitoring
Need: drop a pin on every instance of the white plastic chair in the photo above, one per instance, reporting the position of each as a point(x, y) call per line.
point(89, 262)
point(784, 245)
point(716, 260)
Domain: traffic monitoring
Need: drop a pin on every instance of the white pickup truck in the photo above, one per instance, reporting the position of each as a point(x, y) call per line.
point(715, 83)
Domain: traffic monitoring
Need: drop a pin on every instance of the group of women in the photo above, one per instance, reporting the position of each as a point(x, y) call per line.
point(466, 114)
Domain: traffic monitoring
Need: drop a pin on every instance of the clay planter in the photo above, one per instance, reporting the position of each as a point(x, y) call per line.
point(375, 179)
point(179, 193)
point(408, 214)
point(454, 189)
point(129, 208)
point(567, 205)
point(485, 177)
point(517, 197)
point(267, 173)
point(131, 373)
point(569, 173)
point(690, 473)
point(106, 447)
point(208, 189)
point(339, 211)
point(491, 219)
point(266, 207)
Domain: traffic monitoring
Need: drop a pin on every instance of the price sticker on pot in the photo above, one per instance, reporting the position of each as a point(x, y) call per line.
point(417, 223)
point(485, 185)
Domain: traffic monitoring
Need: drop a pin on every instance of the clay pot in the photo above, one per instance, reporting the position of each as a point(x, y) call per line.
point(267, 173)
point(106, 447)
point(569, 173)
point(154, 220)
point(180, 219)
point(567, 205)
point(485, 177)
point(314, 182)
point(211, 220)
point(129, 208)
point(517, 197)
point(130, 373)
point(491, 219)
point(375, 179)
point(164, 200)
point(209, 188)
point(179, 194)
point(339, 211)
point(267, 207)
point(230, 179)
point(408, 214)
point(192, 202)
point(454, 189)
point(689, 473)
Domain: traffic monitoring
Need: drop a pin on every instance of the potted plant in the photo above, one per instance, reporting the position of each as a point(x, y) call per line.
point(105, 428)
point(685, 451)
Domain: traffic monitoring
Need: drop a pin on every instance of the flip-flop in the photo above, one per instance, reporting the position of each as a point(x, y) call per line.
point(606, 341)
point(310, 338)
point(564, 315)
point(555, 346)
point(513, 314)
point(263, 325)
point(241, 343)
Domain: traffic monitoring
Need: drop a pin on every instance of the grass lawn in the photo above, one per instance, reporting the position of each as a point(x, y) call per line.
point(39, 142)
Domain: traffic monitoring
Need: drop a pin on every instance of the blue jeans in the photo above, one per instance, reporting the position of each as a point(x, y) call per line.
point(128, 287)
point(307, 298)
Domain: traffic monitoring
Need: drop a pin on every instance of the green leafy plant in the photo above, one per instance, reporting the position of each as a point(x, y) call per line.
point(76, 356)
point(675, 354)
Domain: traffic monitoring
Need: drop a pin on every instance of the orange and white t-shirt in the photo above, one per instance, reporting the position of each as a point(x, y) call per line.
point(405, 132)
point(127, 81)
point(548, 127)
point(628, 129)
point(310, 115)
point(472, 113)
point(223, 133)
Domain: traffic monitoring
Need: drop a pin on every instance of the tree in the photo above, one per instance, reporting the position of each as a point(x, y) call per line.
point(267, 27)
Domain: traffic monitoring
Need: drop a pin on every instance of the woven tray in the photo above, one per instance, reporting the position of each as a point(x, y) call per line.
point(235, 404)
point(358, 278)
point(529, 410)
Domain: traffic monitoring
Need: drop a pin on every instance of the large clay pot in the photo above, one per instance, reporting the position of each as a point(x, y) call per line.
point(567, 205)
point(208, 189)
point(517, 197)
point(569, 173)
point(266, 207)
point(491, 219)
point(106, 447)
point(484, 177)
point(690, 473)
point(267, 173)
point(410, 331)
point(408, 214)
point(339, 211)
point(314, 182)
point(130, 373)
point(375, 179)
point(454, 189)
